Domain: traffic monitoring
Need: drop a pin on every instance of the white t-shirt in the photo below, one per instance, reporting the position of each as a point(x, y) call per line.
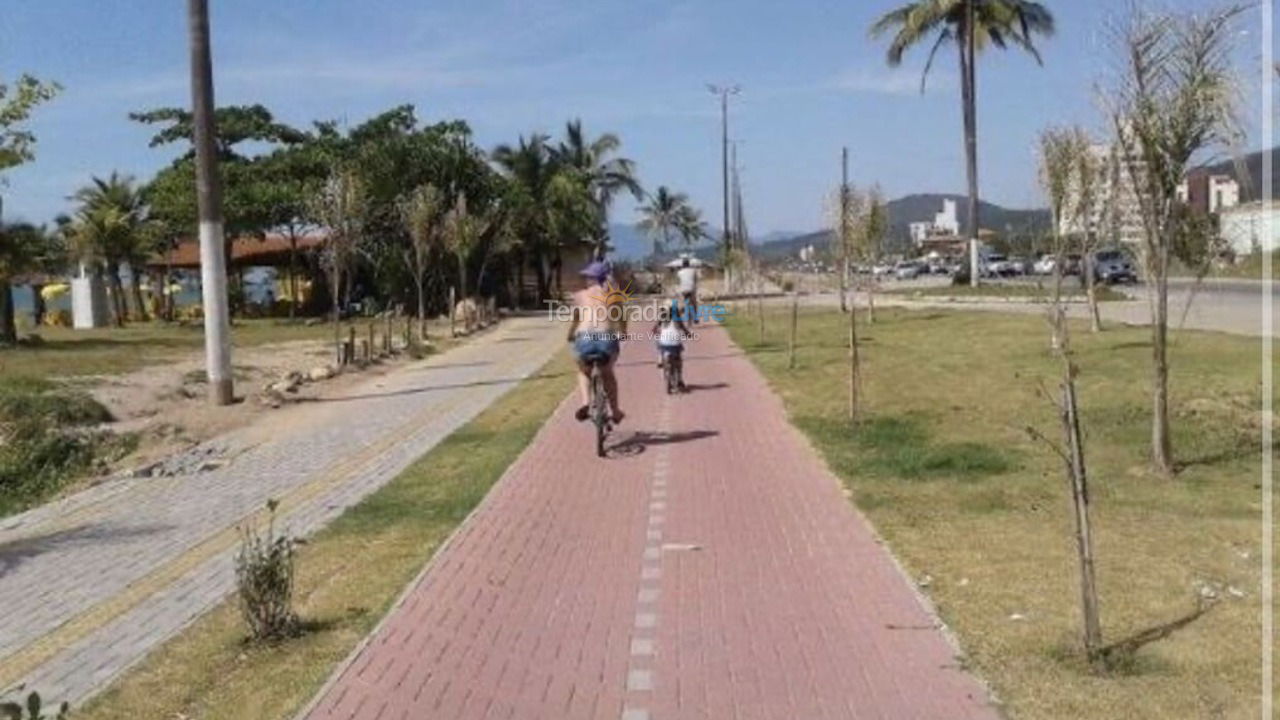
point(688, 278)
point(670, 335)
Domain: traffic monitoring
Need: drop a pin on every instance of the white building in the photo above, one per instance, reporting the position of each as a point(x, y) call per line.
point(1207, 193)
point(1115, 215)
point(1250, 227)
point(919, 232)
point(946, 222)
point(88, 300)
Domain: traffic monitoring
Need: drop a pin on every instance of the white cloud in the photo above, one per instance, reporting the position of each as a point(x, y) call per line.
point(890, 81)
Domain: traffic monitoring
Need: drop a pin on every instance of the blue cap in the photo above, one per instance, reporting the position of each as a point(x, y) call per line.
point(597, 270)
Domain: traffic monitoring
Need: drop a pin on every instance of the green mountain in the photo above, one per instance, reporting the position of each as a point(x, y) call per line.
point(921, 208)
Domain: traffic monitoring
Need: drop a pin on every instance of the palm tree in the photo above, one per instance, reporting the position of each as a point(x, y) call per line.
point(548, 203)
point(606, 176)
point(994, 22)
point(661, 216)
point(691, 226)
point(110, 229)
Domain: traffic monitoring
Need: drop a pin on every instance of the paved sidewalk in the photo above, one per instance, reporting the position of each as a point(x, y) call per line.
point(90, 584)
point(709, 568)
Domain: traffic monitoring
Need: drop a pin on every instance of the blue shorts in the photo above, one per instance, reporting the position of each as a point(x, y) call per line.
point(587, 345)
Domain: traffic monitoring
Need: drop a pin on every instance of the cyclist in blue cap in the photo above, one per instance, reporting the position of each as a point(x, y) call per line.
point(599, 320)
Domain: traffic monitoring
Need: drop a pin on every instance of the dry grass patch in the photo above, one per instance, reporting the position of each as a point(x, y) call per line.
point(944, 470)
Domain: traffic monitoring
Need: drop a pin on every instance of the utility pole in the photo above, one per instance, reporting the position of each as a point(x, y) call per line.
point(724, 91)
point(213, 271)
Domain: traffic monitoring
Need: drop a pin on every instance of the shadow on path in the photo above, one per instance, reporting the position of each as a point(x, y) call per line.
point(641, 440)
point(16, 552)
point(429, 388)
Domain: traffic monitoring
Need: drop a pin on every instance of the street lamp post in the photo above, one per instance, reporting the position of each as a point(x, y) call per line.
point(213, 272)
point(724, 91)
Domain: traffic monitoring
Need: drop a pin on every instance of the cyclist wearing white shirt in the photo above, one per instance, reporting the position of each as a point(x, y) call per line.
point(687, 276)
point(671, 333)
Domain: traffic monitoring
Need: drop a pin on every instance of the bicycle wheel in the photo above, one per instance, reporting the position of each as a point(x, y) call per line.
point(599, 409)
point(669, 374)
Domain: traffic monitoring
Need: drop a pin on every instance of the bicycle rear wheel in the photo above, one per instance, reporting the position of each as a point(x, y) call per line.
point(599, 409)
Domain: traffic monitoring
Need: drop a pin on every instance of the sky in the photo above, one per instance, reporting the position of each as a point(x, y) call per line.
point(812, 81)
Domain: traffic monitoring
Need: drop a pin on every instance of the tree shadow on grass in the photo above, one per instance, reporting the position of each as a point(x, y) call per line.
point(902, 447)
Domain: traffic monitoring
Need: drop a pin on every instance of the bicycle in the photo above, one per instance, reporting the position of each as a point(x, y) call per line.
point(599, 411)
point(672, 371)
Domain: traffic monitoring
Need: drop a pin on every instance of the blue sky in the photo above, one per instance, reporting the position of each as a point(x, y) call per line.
point(811, 79)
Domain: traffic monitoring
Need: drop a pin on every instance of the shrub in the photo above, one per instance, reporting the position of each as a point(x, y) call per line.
point(264, 577)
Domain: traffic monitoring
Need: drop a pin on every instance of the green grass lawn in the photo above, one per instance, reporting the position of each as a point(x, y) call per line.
point(103, 351)
point(347, 577)
point(944, 469)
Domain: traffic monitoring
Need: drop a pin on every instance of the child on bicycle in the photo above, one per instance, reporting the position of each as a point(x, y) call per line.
point(671, 332)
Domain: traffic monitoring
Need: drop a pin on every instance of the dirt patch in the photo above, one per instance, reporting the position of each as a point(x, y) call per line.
point(166, 406)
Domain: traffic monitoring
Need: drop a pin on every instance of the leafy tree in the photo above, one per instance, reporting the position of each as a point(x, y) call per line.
point(236, 125)
point(971, 25)
point(17, 146)
point(530, 169)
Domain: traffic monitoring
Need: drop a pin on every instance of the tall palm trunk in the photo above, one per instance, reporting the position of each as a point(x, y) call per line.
point(335, 290)
point(969, 91)
point(136, 290)
point(118, 309)
point(38, 308)
point(8, 323)
point(293, 276)
point(420, 284)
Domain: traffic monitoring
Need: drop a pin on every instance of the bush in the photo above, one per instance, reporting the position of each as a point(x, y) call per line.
point(264, 577)
point(33, 710)
point(46, 439)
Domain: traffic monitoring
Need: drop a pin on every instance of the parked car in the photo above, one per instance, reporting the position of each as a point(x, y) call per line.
point(907, 270)
point(993, 265)
point(882, 270)
point(1019, 266)
point(1113, 266)
point(1044, 266)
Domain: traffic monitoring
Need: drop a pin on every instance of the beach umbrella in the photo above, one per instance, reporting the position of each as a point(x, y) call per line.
point(54, 290)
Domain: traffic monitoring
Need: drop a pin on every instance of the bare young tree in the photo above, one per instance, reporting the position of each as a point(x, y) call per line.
point(1061, 151)
point(421, 214)
point(1173, 97)
point(1084, 178)
point(873, 224)
point(339, 207)
point(462, 232)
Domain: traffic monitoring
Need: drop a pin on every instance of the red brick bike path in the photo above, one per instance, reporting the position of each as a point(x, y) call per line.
point(710, 567)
